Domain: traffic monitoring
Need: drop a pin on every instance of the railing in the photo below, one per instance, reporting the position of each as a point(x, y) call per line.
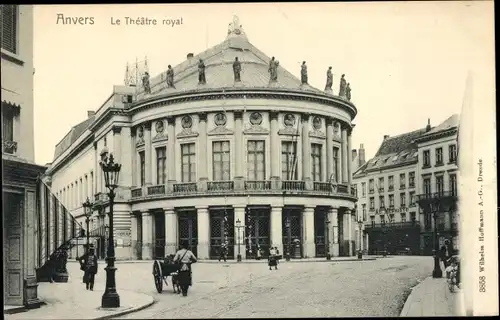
point(380, 190)
point(393, 225)
point(436, 195)
point(322, 187)
point(342, 188)
point(391, 188)
point(101, 197)
point(9, 147)
point(220, 186)
point(98, 232)
point(136, 193)
point(371, 191)
point(258, 185)
point(411, 185)
point(293, 185)
point(402, 186)
point(185, 188)
point(158, 189)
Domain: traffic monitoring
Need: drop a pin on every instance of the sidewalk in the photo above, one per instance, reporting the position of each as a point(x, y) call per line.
point(432, 298)
point(71, 301)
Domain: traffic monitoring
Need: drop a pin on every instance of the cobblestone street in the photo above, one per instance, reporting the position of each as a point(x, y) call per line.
point(309, 289)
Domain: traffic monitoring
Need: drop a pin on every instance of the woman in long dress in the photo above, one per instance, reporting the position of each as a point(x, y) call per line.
point(185, 257)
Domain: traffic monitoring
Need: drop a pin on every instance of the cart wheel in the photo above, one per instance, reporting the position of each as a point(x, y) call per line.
point(158, 276)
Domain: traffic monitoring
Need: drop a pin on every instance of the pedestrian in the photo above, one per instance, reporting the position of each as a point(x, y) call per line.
point(444, 253)
point(184, 258)
point(272, 259)
point(89, 263)
point(259, 252)
point(223, 252)
point(277, 255)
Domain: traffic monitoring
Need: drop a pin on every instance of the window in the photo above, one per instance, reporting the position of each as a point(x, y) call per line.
point(452, 150)
point(370, 186)
point(403, 216)
point(440, 185)
point(221, 160)
point(391, 183)
point(427, 186)
point(364, 211)
point(453, 184)
point(402, 181)
point(372, 203)
point(372, 221)
point(8, 115)
point(381, 202)
point(391, 218)
point(9, 27)
point(256, 160)
point(161, 161)
point(92, 182)
point(335, 164)
point(289, 160)
point(363, 189)
point(86, 191)
point(380, 184)
point(439, 156)
point(440, 222)
point(413, 217)
point(188, 168)
point(412, 198)
point(142, 162)
point(316, 161)
point(382, 219)
point(411, 179)
point(427, 158)
point(402, 200)
point(391, 201)
point(428, 221)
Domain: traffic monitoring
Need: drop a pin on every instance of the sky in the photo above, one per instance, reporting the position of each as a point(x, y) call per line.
point(407, 62)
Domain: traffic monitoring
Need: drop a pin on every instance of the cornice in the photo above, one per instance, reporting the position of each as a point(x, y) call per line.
point(437, 135)
point(82, 145)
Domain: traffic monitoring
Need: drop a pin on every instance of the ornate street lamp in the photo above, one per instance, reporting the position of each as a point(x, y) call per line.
point(327, 240)
point(289, 238)
point(360, 229)
point(87, 207)
point(110, 298)
point(238, 227)
point(437, 272)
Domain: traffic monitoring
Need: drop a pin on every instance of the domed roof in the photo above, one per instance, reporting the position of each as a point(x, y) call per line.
point(219, 74)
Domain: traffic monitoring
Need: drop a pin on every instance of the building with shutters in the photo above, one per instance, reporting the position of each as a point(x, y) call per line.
point(201, 157)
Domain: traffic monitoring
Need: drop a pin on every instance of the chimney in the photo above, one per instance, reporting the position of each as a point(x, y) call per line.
point(90, 114)
point(386, 136)
point(428, 128)
point(189, 56)
point(354, 154)
point(361, 155)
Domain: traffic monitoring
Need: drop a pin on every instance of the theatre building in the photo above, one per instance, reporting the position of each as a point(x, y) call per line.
point(254, 162)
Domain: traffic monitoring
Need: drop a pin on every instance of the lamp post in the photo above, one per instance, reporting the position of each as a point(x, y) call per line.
point(238, 227)
point(360, 229)
point(289, 238)
point(327, 240)
point(110, 298)
point(437, 272)
point(87, 207)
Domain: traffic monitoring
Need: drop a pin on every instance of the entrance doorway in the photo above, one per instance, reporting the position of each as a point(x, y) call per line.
point(292, 232)
point(12, 248)
point(320, 239)
point(159, 241)
point(221, 228)
point(188, 228)
point(257, 231)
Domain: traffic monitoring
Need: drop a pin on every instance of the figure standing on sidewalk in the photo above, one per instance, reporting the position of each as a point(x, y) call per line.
point(223, 252)
point(89, 264)
point(272, 259)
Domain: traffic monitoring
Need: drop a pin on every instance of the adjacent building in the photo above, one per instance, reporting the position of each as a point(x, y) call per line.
point(390, 184)
point(208, 159)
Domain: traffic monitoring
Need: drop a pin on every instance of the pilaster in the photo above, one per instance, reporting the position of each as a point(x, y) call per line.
point(239, 243)
point(171, 154)
point(133, 157)
point(306, 152)
point(277, 228)
point(275, 147)
point(170, 231)
point(203, 232)
point(349, 158)
point(202, 147)
point(147, 235)
point(126, 157)
point(348, 219)
point(308, 223)
point(335, 226)
point(97, 171)
point(238, 150)
point(147, 154)
point(329, 149)
point(134, 235)
point(344, 153)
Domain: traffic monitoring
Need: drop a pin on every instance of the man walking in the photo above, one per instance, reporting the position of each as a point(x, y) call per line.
point(223, 252)
point(89, 263)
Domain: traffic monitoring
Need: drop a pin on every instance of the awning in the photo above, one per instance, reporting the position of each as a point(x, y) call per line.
point(11, 99)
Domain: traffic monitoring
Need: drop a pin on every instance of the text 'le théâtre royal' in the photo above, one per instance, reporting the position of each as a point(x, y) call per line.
point(145, 21)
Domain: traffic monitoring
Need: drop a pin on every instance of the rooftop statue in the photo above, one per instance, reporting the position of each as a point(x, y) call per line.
point(170, 77)
point(348, 92)
point(329, 79)
point(237, 70)
point(273, 69)
point(201, 73)
point(235, 27)
point(342, 86)
point(145, 82)
point(303, 73)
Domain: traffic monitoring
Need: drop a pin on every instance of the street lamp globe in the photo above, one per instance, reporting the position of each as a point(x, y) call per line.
point(111, 172)
point(87, 206)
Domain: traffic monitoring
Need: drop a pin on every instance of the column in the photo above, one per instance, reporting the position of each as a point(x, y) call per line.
point(348, 229)
point(203, 232)
point(238, 150)
point(308, 223)
point(126, 157)
point(344, 153)
point(147, 154)
point(239, 233)
point(147, 235)
point(97, 171)
point(275, 148)
point(329, 149)
point(134, 235)
point(133, 156)
point(170, 231)
point(276, 228)
point(202, 150)
point(349, 158)
point(117, 157)
point(171, 153)
point(367, 243)
point(306, 149)
point(329, 226)
point(335, 226)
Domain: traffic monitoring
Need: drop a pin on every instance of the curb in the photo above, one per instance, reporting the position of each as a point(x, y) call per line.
point(128, 311)
point(406, 306)
point(252, 261)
